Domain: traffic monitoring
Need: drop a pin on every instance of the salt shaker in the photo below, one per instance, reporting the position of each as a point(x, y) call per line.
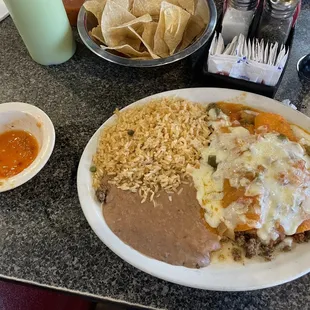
point(276, 20)
point(237, 18)
point(44, 28)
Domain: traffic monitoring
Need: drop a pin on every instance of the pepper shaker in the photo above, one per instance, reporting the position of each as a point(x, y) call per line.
point(276, 20)
point(237, 18)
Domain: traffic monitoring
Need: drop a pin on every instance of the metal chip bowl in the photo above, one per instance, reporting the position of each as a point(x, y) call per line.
point(87, 21)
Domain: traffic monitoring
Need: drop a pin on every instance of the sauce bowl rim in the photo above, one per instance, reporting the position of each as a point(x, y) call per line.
point(46, 148)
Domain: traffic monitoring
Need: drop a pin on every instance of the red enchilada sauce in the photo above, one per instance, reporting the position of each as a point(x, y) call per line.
point(18, 149)
point(272, 122)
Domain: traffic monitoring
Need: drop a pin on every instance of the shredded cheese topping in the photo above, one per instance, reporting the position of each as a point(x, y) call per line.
point(272, 174)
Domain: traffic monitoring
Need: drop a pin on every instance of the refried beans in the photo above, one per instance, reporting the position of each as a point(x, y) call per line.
point(171, 231)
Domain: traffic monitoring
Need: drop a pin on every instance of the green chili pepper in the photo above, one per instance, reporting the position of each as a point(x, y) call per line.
point(131, 132)
point(307, 149)
point(282, 137)
point(215, 107)
point(212, 161)
point(92, 169)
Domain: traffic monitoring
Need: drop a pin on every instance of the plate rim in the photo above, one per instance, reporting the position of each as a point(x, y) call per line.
point(96, 223)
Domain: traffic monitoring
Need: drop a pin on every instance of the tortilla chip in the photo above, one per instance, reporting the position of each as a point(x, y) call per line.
point(97, 34)
point(122, 35)
point(142, 58)
point(140, 29)
point(95, 7)
point(114, 15)
point(171, 26)
point(122, 31)
point(188, 5)
point(176, 20)
point(194, 29)
point(141, 7)
point(136, 23)
point(202, 10)
point(127, 50)
point(124, 3)
point(149, 33)
point(160, 46)
point(150, 50)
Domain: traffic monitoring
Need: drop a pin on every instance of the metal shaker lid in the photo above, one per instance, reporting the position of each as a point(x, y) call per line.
point(281, 8)
point(243, 5)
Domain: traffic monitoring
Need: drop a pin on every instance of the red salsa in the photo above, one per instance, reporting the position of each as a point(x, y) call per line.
point(18, 149)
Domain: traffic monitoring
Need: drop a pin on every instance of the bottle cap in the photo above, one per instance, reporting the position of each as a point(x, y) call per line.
point(281, 8)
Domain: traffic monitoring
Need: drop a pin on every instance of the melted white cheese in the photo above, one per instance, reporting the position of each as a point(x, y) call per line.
point(302, 136)
point(281, 184)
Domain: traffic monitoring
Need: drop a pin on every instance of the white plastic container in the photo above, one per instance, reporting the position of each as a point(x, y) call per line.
point(44, 28)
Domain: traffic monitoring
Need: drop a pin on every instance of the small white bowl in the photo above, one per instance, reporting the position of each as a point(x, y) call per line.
point(23, 116)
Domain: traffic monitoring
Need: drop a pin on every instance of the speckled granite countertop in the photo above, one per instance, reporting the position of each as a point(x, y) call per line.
point(44, 237)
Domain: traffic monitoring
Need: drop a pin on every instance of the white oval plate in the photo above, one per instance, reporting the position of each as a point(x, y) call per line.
point(226, 276)
point(23, 116)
